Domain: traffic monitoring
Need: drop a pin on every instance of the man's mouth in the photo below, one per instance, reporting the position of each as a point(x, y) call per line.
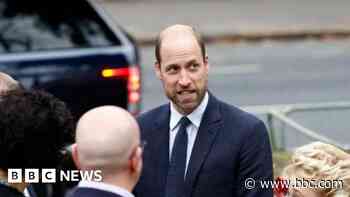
point(186, 92)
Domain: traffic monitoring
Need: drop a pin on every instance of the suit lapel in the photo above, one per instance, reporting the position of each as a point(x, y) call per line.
point(160, 146)
point(208, 129)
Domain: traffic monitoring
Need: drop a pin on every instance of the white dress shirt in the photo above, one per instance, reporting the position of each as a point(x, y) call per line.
point(106, 187)
point(195, 117)
point(26, 193)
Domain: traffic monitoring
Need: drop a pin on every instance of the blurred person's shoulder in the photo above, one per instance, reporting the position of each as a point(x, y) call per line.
point(6, 191)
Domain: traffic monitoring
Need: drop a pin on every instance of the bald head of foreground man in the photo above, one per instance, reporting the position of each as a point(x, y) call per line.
point(108, 139)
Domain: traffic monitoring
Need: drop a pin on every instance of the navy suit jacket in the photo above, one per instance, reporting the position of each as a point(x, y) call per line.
point(90, 192)
point(6, 191)
point(231, 146)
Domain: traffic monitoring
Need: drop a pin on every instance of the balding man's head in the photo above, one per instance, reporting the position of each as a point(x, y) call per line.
point(178, 32)
point(106, 137)
point(7, 83)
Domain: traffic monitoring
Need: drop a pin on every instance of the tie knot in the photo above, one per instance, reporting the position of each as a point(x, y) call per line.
point(184, 122)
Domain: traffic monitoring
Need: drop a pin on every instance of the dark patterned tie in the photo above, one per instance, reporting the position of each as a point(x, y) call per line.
point(177, 165)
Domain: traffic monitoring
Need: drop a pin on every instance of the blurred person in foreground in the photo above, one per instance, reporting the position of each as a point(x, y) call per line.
point(322, 162)
point(34, 128)
point(198, 146)
point(108, 139)
point(7, 83)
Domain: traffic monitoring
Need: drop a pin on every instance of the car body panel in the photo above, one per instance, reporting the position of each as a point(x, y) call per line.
point(75, 74)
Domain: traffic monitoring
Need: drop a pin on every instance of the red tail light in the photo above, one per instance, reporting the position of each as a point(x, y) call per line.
point(134, 84)
point(115, 72)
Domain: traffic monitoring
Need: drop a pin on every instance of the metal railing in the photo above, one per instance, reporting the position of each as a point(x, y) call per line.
point(282, 113)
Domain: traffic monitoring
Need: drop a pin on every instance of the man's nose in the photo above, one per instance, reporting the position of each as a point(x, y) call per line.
point(184, 79)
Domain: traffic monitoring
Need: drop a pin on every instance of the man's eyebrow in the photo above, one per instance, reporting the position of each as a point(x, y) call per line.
point(170, 65)
point(191, 62)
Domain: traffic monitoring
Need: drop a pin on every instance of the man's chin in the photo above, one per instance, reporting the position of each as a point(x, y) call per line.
point(188, 107)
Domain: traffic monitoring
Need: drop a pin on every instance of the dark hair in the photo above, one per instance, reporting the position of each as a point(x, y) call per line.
point(34, 128)
point(198, 37)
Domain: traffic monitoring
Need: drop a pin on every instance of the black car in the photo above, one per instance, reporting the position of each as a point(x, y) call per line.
point(71, 49)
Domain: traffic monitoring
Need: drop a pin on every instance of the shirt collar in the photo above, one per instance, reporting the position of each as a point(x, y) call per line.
point(106, 187)
point(195, 117)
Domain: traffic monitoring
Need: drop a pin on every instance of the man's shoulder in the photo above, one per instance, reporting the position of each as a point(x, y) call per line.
point(236, 115)
point(244, 123)
point(151, 115)
point(9, 191)
point(90, 192)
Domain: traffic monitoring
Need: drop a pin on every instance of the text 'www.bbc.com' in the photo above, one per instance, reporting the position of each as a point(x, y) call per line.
point(251, 183)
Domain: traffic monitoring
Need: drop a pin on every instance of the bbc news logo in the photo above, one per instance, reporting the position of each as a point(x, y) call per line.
point(52, 175)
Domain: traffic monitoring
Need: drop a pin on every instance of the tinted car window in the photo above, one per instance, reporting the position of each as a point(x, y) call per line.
point(45, 25)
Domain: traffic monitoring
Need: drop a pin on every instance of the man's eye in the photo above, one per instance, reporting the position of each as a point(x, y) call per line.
point(171, 69)
point(194, 66)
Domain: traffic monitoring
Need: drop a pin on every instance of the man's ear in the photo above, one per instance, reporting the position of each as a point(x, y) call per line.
point(136, 161)
point(75, 155)
point(206, 63)
point(157, 69)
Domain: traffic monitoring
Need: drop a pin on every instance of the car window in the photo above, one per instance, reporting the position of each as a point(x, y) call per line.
point(45, 25)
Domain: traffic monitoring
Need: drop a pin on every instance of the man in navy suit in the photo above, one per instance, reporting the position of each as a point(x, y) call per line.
point(108, 139)
point(198, 146)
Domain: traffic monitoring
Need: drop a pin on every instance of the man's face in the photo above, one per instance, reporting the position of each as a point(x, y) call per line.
point(183, 72)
